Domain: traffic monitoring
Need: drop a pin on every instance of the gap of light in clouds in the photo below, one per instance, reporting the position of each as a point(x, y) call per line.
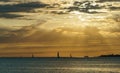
point(45, 33)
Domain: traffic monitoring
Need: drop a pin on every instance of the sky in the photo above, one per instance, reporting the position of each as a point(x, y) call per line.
point(27, 31)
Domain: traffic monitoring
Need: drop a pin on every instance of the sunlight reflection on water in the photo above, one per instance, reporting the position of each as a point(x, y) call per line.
point(59, 66)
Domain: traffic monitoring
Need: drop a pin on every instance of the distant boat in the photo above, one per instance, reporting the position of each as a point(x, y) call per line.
point(32, 55)
point(58, 55)
point(70, 55)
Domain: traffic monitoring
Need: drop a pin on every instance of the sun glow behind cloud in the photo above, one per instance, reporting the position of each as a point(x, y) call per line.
point(44, 34)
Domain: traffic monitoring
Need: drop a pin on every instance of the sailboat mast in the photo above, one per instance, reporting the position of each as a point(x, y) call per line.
point(32, 55)
point(70, 55)
point(58, 55)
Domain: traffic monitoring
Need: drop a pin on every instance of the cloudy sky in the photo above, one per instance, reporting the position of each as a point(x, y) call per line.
point(26, 31)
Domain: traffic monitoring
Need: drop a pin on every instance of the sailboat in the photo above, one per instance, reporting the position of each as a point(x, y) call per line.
point(58, 55)
point(70, 55)
point(32, 55)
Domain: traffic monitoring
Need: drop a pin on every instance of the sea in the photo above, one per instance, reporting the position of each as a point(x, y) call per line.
point(60, 65)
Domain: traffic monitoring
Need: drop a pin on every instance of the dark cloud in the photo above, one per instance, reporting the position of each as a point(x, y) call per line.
point(10, 16)
point(114, 8)
point(5, 0)
point(21, 7)
point(109, 0)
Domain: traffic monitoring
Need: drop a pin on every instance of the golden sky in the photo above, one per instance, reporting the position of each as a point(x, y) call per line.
point(44, 34)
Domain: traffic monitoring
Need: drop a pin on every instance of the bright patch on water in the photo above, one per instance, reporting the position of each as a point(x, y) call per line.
point(53, 65)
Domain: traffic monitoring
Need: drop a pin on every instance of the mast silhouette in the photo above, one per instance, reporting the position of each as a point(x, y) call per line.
point(58, 55)
point(32, 55)
point(70, 55)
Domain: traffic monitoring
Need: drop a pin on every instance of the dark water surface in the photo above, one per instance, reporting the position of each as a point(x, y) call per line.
point(61, 65)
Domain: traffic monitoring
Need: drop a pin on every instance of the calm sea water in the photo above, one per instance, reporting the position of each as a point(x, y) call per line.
point(54, 65)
